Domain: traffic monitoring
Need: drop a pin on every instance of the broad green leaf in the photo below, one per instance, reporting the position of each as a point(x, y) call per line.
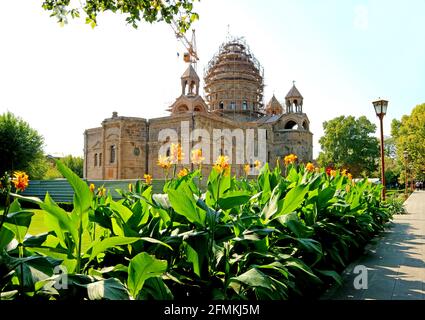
point(109, 289)
point(184, 204)
point(254, 278)
point(292, 201)
point(192, 256)
point(19, 222)
point(233, 199)
point(152, 240)
point(155, 288)
point(6, 236)
point(124, 212)
point(142, 267)
point(271, 207)
point(82, 195)
point(331, 274)
point(105, 244)
point(58, 220)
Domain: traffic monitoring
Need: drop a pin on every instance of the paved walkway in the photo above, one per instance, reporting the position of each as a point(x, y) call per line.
point(395, 261)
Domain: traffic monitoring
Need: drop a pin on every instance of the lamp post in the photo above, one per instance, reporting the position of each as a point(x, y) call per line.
point(381, 109)
point(406, 155)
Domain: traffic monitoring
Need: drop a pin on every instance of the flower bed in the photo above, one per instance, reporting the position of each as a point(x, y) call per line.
point(284, 235)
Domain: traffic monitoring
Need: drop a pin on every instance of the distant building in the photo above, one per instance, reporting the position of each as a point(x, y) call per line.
point(128, 147)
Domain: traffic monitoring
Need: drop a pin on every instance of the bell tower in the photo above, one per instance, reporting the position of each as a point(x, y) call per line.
point(190, 82)
point(294, 100)
point(189, 100)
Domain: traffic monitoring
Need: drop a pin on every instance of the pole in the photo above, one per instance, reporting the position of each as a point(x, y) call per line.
point(405, 179)
point(381, 116)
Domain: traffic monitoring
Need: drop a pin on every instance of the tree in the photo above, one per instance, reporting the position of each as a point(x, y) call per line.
point(148, 10)
point(409, 135)
point(21, 147)
point(75, 164)
point(348, 144)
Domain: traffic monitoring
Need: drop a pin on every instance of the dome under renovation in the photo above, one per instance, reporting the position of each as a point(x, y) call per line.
point(234, 81)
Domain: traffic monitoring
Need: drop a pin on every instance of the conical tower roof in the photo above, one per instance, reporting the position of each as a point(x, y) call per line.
point(190, 73)
point(274, 106)
point(293, 93)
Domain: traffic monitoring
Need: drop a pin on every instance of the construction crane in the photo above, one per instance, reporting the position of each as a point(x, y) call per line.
point(191, 55)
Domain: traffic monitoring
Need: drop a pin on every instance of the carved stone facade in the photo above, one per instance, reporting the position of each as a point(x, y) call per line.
point(127, 148)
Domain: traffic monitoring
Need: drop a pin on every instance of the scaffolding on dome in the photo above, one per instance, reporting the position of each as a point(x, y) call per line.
point(234, 80)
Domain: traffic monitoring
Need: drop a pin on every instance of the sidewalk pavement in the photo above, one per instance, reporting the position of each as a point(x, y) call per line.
point(395, 261)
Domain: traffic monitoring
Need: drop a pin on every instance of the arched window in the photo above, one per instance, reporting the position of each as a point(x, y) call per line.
point(168, 152)
point(221, 105)
point(95, 159)
point(112, 154)
point(232, 105)
point(244, 105)
point(290, 125)
point(100, 159)
point(305, 125)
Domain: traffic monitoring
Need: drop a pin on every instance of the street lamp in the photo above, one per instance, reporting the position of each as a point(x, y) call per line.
point(381, 109)
point(406, 156)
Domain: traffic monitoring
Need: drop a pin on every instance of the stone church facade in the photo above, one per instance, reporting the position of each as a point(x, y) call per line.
point(129, 147)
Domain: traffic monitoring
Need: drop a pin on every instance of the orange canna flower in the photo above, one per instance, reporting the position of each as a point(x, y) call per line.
point(183, 173)
point(290, 159)
point(148, 178)
point(309, 167)
point(197, 158)
point(350, 176)
point(222, 164)
point(344, 172)
point(333, 173)
point(177, 154)
point(247, 169)
point(92, 187)
point(164, 162)
point(20, 180)
point(257, 164)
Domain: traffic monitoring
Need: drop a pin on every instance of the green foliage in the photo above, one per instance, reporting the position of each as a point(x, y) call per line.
point(348, 144)
point(277, 237)
point(20, 145)
point(148, 10)
point(409, 135)
point(74, 163)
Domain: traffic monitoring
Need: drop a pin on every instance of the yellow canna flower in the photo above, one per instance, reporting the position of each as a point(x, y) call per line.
point(148, 178)
point(350, 176)
point(222, 164)
point(197, 158)
point(177, 154)
point(290, 159)
point(247, 169)
point(344, 172)
point(130, 187)
point(257, 164)
point(333, 173)
point(101, 191)
point(164, 162)
point(309, 167)
point(92, 187)
point(317, 170)
point(20, 180)
point(183, 173)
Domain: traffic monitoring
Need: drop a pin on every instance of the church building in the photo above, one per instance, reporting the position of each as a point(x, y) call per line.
point(128, 147)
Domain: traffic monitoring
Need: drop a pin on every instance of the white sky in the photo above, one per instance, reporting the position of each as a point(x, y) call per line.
point(65, 80)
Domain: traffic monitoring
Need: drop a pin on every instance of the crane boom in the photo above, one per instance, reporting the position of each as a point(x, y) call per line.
point(191, 56)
